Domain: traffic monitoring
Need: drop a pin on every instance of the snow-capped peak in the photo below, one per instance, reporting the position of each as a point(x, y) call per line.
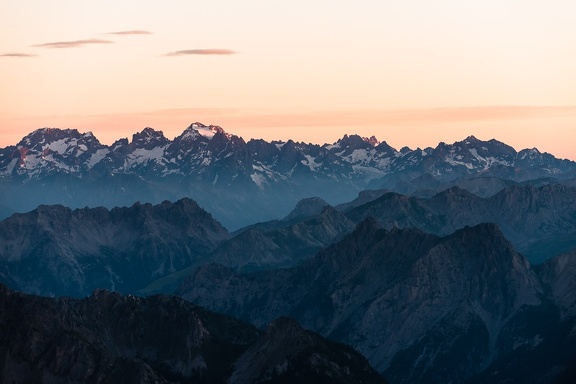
point(209, 131)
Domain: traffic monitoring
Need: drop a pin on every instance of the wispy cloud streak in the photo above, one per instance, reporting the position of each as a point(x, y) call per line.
point(15, 54)
point(212, 51)
point(72, 44)
point(132, 32)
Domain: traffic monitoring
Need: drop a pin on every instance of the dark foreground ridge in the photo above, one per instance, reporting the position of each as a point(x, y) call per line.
point(110, 338)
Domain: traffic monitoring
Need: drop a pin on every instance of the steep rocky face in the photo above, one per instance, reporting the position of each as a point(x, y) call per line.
point(283, 243)
point(258, 179)
point(109, 338)
point(558, 275)
point(540, 221)
point(54, 250)
point(419, 307)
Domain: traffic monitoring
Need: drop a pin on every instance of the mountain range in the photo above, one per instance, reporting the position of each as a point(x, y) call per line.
point(54, 250)
point(461, 308)
point(263, 180)
point(447, 264)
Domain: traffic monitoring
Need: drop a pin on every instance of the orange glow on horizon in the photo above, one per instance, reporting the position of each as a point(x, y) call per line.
point(547, 128)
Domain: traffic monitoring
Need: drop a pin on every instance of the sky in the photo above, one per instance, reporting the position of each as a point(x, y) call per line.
point(412, 72)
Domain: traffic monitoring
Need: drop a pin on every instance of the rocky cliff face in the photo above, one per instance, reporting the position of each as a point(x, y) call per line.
point(421, 308)
point(109, 338)
point(54, 250)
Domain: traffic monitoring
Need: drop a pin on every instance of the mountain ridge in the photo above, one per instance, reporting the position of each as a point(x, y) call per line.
point(533, 218)
point(110, 338)
point(223, 172)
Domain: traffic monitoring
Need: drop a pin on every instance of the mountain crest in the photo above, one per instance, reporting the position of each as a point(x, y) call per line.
point(207, 131)
point(307, 207)
point(149, 138)
point(372, 140)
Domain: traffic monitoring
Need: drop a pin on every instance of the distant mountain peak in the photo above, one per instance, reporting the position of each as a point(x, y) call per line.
point(49, 135)
point(372, 140)
point(355, 141)
point(307, 207)
point(149, 137)
point(208, 131)
point(471, 139)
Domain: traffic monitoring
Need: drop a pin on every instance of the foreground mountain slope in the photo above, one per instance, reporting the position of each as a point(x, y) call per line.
point(421, 308)
point(54, 250)
point(108, 338)
point(240, 182)
point(539, 221)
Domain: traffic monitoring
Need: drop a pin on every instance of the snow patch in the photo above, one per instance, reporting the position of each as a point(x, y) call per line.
point(60, 146)
point(97, 157)
point(259, 179)
point(368, 172)
point(311, 163)
point(331, 146)
point(207, 132)
point(8, 170)
point(141, 155)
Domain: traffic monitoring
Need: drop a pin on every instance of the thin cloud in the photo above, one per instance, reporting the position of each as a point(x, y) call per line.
point(15, 54)
point(72, 44)
point(132, 32)
point(212, 51)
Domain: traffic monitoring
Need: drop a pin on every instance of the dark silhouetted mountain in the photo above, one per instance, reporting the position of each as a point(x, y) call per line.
point(240, 182)
point(54, 250)
point(289, 354)
point(539, 221)
point(421, 308)
point(109, 338)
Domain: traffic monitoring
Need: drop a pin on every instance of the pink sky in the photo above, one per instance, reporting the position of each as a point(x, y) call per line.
point(412, 73)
